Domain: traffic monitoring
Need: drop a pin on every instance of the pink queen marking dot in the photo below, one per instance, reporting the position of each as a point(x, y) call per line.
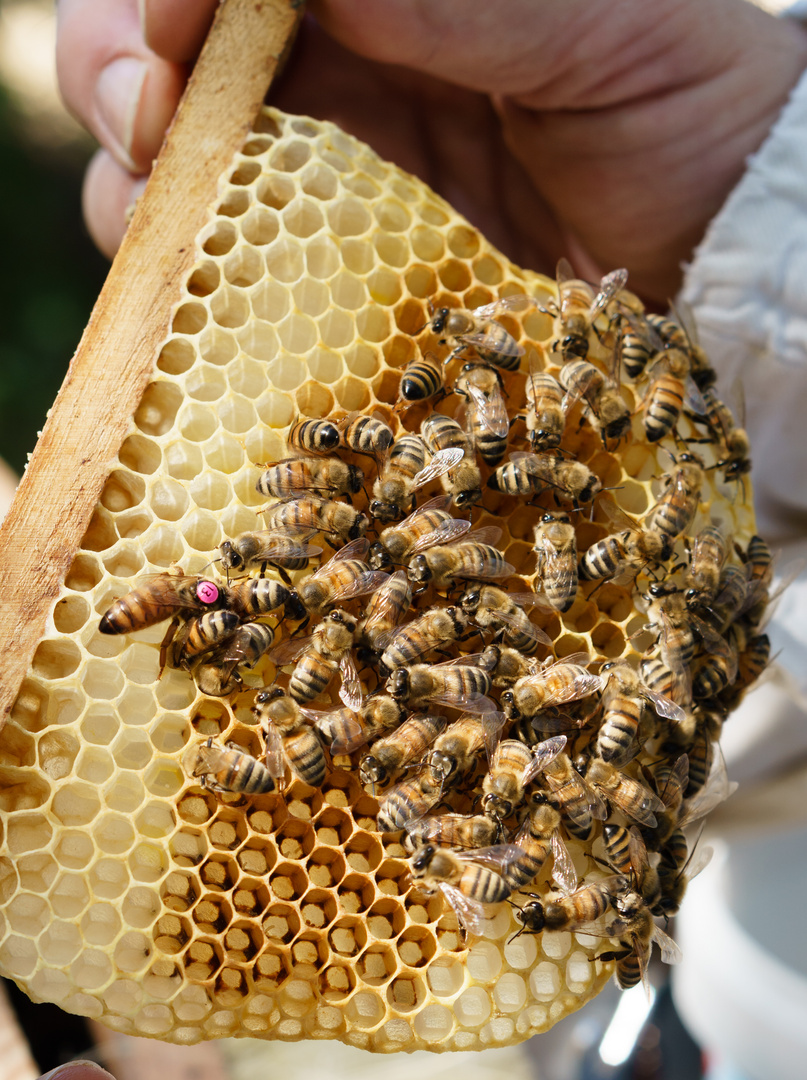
point(207, 592)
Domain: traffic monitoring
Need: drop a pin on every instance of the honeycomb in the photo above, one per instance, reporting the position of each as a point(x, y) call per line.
point(130, 893)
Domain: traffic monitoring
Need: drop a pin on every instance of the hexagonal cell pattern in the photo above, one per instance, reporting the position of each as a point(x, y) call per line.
point(132, 894)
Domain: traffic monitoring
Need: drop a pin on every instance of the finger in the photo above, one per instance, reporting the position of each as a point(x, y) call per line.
point(114, 84)
point(109, 193)
point(176, 29)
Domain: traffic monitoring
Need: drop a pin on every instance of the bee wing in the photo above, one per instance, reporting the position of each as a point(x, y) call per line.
point(471, 915)
point(715, 791)
point(352, 736)
point(610, 285)
point(716, 645)
point(540, 465)
point(516, 302)
point(497, 857)
point(699, 861)
point(472, 703)
point(670, 952)
point(618, 517)
point(642, 810)
point(558, 565)
point(365, 583)
point(563, 871)
point(273, 756)
point(288, 651)
point(276, 552)
point(448, 533)
point(439, 502)
point(490, 534)
point(350, 691)
point(597, 806)
point(543, 753)
point(681, 687)
point(677, 781)
point(442, 462)
point(534, 631)
point(491, 408)
point(356, 549)
point(493, 725)
point(664, 706)
point(581, 384)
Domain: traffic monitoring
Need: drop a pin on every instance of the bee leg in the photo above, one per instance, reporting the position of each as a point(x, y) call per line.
point(166, 642)
point(284, 577)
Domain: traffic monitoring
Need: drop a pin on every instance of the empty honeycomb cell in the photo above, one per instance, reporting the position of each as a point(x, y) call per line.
point(284, 263)
point(205, 383)
point(247, 172)
point(204, 280)
point(137, 664)
point(158, 408)
point(384, 287)
point(201, 530)
point(28, 832)
point(74, 849)
point(365, 1010)
point(147, 863)
point(302, 218)
point(337, 328)
point(237, 414)
point(427, 244)
point(132, 750)
point(297, 333)
point(289, 155)
point(69, 895)
point(176, 356)
point(122, 491)
point(28, 914)
point(260, 226)
point(100, 924)
point(242, 268)
point(19, 956)
point(454, 275)
point(325, 365)
point(101, 532)
point(91, 970)
point(348, 216)
point(154, 1020)
point(218, 346)
point(94, 765)
point(234, 203)
point(173, 692)
point(140, 454)
point(271, 969)
point(247, 375)
point(189, 318)
point(319, 181)
point(22, 790)
point(392, 250)
point(196, 422)
point(163, 979)
point(362, 185)
point(352, 394)
point(84, 574)
point(218, 237)
point(373, 324)
point(275, 191)
point(155, 820)
point(19, 748)
point(223, 453)
point(35, 872)
point(361, 360)
point(229, 307)
point(56, 658)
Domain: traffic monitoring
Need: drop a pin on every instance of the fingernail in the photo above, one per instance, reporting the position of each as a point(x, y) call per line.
point(78, 1070)
point(117, 96)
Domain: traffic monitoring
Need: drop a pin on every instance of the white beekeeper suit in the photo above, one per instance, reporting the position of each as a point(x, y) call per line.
point(742, 986)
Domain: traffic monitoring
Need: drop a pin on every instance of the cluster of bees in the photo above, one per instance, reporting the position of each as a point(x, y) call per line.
point(543, 750)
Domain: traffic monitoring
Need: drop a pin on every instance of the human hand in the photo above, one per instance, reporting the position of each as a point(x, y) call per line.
point(609, 132)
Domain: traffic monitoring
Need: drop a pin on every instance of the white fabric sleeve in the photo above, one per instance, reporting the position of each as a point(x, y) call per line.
point(747, 289)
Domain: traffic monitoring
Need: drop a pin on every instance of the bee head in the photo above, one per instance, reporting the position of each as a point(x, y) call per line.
point(359, 526)
point(378, 558)
point(423, 857)
point(470, 601)
point(355, 479)
point(230, 558)
point(419, 570)
point(384, 511)
point(293, 607)
point(532, 917)
point(508, 703)
point(440, 319)
point(397, 684)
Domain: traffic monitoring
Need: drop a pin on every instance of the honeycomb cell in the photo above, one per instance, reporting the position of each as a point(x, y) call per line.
point(318, 908)
point(56, 658)
point(100, 924)
point(176, 357)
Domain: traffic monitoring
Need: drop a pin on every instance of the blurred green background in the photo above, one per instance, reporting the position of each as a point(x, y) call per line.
point(51, 273)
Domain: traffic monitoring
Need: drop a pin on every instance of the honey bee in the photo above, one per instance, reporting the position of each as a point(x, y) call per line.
point(571, 912)
point(503, 785)
point(404, 471)
point(254, 597)
point(246, 646)
point(463, 482)
point(635, 346)
point(296, 476)
point(212, 678)
point(709, 553)
point(554, 684)
point(464, 883)
point(336, 520)
point(455, 750)
point(731, 601)
point(577, 801)
point(487, 418)
point(231, 770)
point(469, 559)
point(490, 607)
point(407, 801)
point(453, 831)
point(537, 839)
point(636, 932)
point(675, 509)
point(714, 673)
point(407, 744)
point(380, 712)
point(671, 781)
point(623, 555)
point(505, 665)
point(578, 307)
point(622, 701)
point(681, 333)
point(364, 435)
point(556, 559)
point(289, 738)
point(343, 577)
point(675, 875)
point(345, 730)
point(637, 802)
point(428, 526)
point(530, 474)
point(456, 683)
point(734, 444)
point(626, 853)
point(162, 596)
point(267, 548)
point(202, 633)
point(313, 436)
point(429, 631)
point(387, 606)
point(319, 655)
point(758, 560)
point(601, 398)
point(423, 378)
point(478, 329)
point(753, 654)
point(664, 401)
point(545, 417)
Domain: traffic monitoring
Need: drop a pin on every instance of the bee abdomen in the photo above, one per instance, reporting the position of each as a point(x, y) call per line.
point(305, 756)
point(617, 735)
point(311, 677)
point(602, 560)
point(663, 408)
